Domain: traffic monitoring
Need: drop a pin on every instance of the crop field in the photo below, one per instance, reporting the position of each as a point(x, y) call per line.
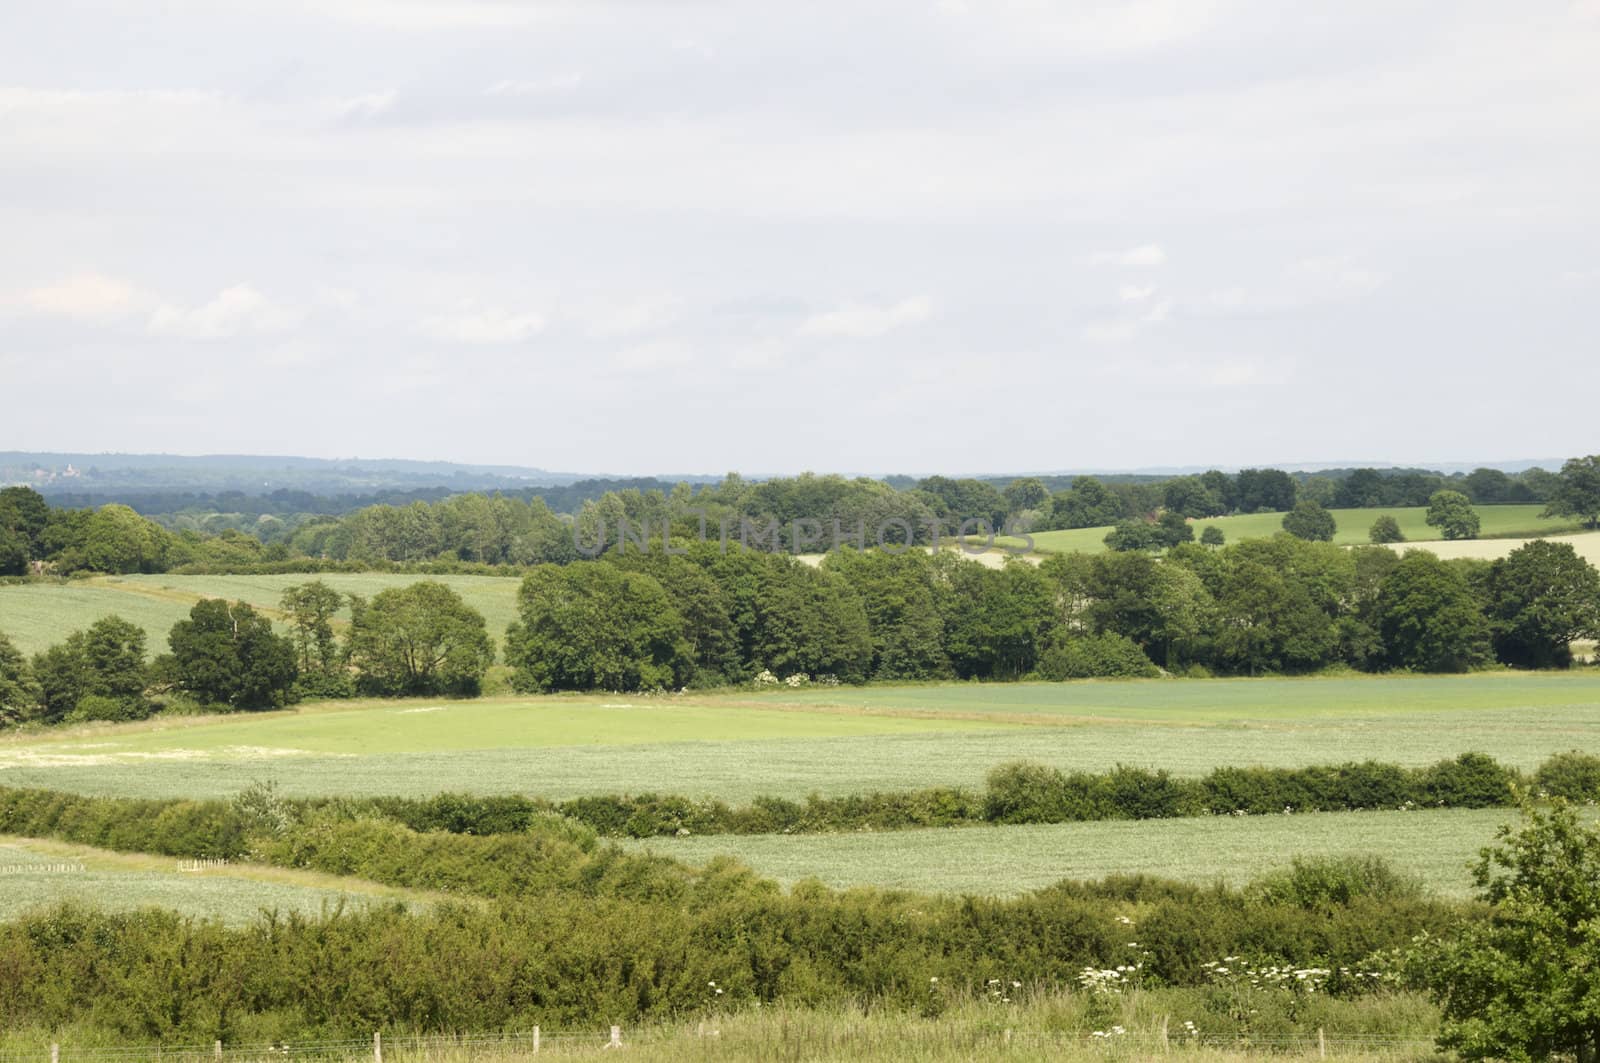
point(737, 746)
point(37, 874)
point(37, 615)
point(1498, 522)
point(1433, 846)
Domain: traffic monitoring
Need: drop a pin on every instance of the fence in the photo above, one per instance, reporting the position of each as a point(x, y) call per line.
point(398, 1048)
point(71, 867)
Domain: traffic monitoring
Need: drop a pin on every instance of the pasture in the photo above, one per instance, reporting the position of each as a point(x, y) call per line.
point(36, 873)
point(38, 615)
point(739, 745)
point(1433, 846)
point(1498, 522)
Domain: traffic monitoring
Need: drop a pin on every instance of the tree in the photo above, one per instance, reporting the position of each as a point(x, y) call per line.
point(1487, 486)
point(1211, 535)
point(1386, 530)
point(1264, 490)
point(1027, 493)
point(1190, 496)
point(594, 626)
point(1088, 505)
point(1174, 529)
point(1428, 617)
point(1577, 491)
point(227, 654)
point(1452, 513)
point(106, 661)
point(1132, 535)
point(26, 515)
point(17, 695)
point(1520, 985)
point(1541, 597)
point(897, 592)
point(311, 608)
point(13, 553)
point(419, 640)
point(1309, 521)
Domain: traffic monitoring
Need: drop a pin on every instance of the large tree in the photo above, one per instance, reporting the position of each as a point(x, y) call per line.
point(1577, 491)
point(227, 654)
point(595, 626)
point(17, 696)
point(1428, 617)
point(1452, 513)
point(105, 661)
point(1310, 521)
point(419, 640)
point(311, 608)
point(1541, 597)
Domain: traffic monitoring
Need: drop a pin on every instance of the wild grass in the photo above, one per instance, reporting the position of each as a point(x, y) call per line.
point(1435, 846)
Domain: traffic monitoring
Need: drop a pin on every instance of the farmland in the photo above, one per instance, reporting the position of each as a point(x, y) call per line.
point(1498, 522)
point(740, 745)
point(235, 893)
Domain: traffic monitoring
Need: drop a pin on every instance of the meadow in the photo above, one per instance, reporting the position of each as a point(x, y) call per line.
point(1498, 522)
point(1435, 847)
point(739, 745)
point(38, 615)
point(235, 894)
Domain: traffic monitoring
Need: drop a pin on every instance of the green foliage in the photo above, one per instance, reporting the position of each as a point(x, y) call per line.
point(1211, 535)
point(1106, 655)
point(589, 626)
point(419, 640)
point(17, 693)
point(1452, 513)
point(1386, 530)
point(1521, 985)
point(1429, 618)
point(100, 709)
point(226, 654)
point(1577, 492)
point(105, 662)
point(1310, 521)
point(1541, 597)
point(1573, 776)
point(311, 608)
point(1321, 882)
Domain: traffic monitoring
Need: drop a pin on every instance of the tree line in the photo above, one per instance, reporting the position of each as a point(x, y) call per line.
point(793, 514)
point(707, 618)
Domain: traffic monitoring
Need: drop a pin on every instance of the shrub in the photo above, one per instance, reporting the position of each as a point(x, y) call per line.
point(94, 707)
point(1385, 530)
point(1472, 780)
point(1316, 882)
point(1095, 657)
point(1574, 776)
point(1025, 792)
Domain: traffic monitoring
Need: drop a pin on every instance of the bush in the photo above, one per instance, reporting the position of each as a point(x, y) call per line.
point(1025, 792)
point(1095, 657)
point(1472, 780)
point(95, 708)
point(1574, 776)
point(1317, 882)
point(1385, 530)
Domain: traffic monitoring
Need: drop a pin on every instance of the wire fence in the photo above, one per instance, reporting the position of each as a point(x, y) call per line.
point(407, 1047)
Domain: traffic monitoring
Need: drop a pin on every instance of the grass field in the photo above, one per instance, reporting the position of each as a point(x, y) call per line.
point(1434, 846)
point(1513, 522)
point(37, 615)
point(235, 894)
point(737, 746)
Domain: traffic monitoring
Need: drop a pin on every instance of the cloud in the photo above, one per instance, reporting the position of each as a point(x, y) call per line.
point(1110, 331)
point(860, 321)
point(1132, 293)
point(235, 311)
point(88, 295)
point(489, 325)
point(1143, 255)
point(540, 87)
point(631, 318)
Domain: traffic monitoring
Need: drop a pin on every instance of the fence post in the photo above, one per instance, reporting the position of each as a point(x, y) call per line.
point(377, 1047)
point(536, 1039)
point(616, 1037)
point(1164, 1045)
point(1322, 1044)
point(55, 1053)
point(216, 1050)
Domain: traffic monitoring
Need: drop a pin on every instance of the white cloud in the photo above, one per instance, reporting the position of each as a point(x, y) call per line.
point(488, 325)
point(539, 87)
point(1132, 293)
point(656, 355)
point(631, 317)
point(1143, 255)
point(235, 311)
point(84, 295)
point(1110, 331)
point(861, 321)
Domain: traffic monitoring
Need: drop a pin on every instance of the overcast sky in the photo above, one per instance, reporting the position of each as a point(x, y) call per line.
point(665, 235)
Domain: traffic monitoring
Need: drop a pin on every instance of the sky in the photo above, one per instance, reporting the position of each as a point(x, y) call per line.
point(667, 235)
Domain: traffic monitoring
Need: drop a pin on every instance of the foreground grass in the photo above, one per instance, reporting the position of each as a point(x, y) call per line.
point(235, 894)
point(1044, 1025)
point(740, 745)
point(1435, 846)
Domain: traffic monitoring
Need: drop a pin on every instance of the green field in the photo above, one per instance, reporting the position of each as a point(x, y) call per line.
point(1434, 846)
point(37, 615)
point(737, 746)
point(235, 894)
point(1519, 521)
